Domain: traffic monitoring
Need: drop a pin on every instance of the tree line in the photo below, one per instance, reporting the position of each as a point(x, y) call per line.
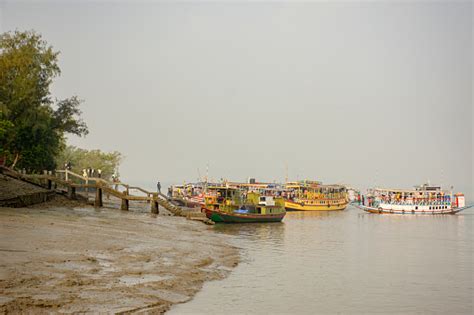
point(33, 124)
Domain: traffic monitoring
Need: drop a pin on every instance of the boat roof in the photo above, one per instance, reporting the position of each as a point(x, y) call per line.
point(260, 185)
point(222, 187)
point(406, 190)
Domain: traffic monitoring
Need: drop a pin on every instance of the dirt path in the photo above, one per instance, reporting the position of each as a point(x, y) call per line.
point(65, 257)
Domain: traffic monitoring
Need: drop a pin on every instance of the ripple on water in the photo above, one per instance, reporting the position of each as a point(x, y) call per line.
point(349, 262)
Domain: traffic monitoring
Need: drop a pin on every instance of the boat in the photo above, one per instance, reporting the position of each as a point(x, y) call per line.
point(232, 205)
point(188, 195)
point(314, 196)
point(423, 199)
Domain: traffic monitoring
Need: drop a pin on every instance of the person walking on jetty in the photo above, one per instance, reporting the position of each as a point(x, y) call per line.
point(115, 179)
point(158, 187)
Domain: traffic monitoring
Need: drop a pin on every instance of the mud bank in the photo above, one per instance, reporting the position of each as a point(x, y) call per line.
point(16, 193)
point(66, 257)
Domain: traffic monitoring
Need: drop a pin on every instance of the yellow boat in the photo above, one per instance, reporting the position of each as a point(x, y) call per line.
point(313, 196)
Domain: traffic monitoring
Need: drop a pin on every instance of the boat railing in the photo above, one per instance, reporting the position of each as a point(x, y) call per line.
point(416, 203)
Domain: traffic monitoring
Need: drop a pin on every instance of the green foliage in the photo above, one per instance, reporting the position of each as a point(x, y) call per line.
point(32, 127)
point(81, 159)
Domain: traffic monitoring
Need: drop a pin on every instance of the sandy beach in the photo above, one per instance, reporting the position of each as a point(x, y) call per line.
point(63, 256)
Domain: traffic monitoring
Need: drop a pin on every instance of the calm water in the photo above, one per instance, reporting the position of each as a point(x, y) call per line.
point(346, 262)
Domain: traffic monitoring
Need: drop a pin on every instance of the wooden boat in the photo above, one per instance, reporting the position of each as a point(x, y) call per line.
point(188, 195)
point(313, 196)
point(235, 217)
point(230, 205)
point(423, 199)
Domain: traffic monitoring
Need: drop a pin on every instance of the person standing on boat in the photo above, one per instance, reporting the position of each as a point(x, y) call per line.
point(158, 187)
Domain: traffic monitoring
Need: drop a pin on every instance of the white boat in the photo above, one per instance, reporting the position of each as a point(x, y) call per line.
point(423, 199)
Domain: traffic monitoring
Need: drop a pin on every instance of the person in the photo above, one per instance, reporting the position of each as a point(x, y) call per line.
point(99, 173)
point(84, 173)
point(116, 180)
point(158, 187)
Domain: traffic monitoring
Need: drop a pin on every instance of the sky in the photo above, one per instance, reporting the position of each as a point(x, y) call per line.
point(361, 93)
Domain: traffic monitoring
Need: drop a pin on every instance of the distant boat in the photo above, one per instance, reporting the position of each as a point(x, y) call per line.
point(313, 196)
point(423, 199)
point(230, 205)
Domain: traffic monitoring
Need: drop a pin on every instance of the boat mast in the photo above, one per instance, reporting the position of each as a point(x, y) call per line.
point(207, 178)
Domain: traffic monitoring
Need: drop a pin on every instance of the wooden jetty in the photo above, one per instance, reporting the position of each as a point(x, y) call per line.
point(71, 182)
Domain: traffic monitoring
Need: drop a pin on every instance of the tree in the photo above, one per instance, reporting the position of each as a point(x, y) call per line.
point(81, 159)
point(32, 125)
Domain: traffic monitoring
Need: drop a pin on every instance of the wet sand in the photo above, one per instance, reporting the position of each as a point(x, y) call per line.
point(66, 257)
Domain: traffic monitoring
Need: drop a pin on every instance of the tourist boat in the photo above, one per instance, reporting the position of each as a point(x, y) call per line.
point(188, 195)
point(313, 196)
point(231, 205)
point(423, 199)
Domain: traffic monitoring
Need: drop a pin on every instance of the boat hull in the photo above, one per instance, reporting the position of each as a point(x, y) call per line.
point(422, 212)
point(294, 206)
point(188, 202)
point(224, 217)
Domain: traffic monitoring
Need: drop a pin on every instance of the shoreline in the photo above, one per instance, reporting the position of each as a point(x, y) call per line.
point(65, 256)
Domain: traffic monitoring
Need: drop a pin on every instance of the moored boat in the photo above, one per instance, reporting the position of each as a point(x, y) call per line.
point(423, 199)
point(230, 205)
point(313, 196)
point(188, 195)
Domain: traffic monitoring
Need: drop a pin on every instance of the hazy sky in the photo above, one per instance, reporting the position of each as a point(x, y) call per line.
point(373, 93)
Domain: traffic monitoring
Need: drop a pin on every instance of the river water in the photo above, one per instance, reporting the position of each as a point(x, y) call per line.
point(346, 262)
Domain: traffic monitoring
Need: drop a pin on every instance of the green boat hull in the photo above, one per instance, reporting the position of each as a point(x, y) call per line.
point(221, 217)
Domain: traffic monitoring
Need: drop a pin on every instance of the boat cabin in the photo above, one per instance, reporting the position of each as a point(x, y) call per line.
point(221, 197)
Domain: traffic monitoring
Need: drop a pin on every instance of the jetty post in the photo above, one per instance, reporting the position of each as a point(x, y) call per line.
point(98, 195)
point(155, 208)
point(71, 192)
point(124, 205)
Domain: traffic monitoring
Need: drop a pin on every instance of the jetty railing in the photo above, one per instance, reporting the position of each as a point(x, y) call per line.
point(72, 181)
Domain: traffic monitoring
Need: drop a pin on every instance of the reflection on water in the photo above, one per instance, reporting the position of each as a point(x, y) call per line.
point(346, 262)
point(271, 234)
